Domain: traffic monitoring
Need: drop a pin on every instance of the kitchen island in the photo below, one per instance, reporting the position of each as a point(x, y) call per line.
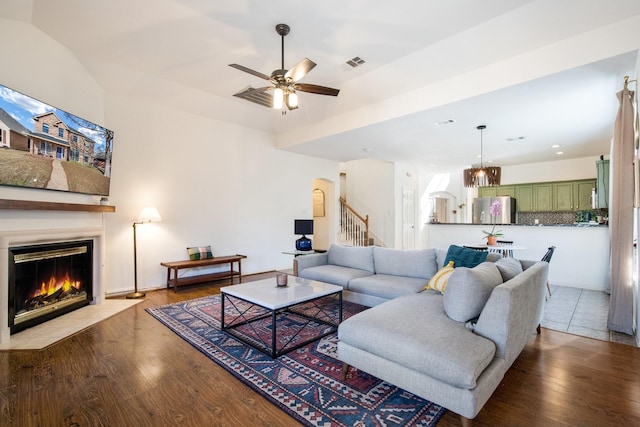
point(581, 258)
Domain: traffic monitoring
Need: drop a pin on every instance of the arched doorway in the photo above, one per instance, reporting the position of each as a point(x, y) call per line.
point(324, 213)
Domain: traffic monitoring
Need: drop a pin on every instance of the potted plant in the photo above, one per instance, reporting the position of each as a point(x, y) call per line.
point(492, 236)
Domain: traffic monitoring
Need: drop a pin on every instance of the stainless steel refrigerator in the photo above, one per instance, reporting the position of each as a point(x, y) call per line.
point(481, 210)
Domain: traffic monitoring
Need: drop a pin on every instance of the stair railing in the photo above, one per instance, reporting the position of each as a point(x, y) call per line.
point(354, 228)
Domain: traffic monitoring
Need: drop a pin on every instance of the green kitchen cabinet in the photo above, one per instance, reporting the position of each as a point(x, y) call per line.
point(546, 196)
point(500, 190)
point(487, 191)
point(506, 190)
point(543, 197)
point(534, 197)
point(572, 195)
point(563, 199)
point(524, 198)
point(582, 191)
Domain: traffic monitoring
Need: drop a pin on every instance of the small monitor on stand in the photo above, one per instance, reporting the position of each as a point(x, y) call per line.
point(303, 227)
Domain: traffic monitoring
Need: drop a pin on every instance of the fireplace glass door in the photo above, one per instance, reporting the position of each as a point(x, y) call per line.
point(46, 281)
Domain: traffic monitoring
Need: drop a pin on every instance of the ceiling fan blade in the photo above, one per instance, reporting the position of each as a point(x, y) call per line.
point(320, 90)
point(262, 96)
point(300, 69)
point(250, 71)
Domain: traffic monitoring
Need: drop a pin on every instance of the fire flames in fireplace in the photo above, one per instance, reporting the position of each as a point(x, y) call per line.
point(53, 291)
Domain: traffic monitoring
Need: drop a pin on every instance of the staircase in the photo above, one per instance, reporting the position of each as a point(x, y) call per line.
point(354, 228)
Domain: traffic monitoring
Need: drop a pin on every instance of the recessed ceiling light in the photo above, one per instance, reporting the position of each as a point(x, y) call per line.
point(555, 146)
point(559, 153)
point(445, 122)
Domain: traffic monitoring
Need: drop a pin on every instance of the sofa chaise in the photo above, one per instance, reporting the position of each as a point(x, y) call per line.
point(453, 347)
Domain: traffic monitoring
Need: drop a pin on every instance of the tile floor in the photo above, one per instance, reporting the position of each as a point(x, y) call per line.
point(581, 312)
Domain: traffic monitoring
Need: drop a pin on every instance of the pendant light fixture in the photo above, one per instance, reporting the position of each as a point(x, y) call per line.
point(482, 176)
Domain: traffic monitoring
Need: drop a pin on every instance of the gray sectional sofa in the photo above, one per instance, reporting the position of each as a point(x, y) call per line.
point(453, 348)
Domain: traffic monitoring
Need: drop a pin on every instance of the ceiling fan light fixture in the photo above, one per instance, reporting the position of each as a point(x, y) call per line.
point(292, 100)
point(482, 176)
point(278, 96)
point(285, 82)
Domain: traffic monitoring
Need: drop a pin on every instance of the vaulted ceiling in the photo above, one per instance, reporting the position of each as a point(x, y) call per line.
point(537, 73)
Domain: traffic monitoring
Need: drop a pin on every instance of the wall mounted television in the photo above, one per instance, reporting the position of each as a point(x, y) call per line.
point(44, 147)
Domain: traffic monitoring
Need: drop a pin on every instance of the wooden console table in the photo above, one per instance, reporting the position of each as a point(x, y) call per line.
point(176, 266)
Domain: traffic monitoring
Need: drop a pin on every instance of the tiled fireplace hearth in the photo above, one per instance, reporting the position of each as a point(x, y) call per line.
point(50, 238)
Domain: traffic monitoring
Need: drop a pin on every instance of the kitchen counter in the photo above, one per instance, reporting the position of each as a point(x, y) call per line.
point(581, 258)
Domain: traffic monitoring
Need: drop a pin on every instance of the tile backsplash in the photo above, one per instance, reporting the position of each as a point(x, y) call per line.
point(566, 217)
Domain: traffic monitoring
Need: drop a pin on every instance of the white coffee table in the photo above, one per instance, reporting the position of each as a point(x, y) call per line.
point(276, 302)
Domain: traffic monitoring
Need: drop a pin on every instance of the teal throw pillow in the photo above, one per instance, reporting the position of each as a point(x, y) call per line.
point(465, 257)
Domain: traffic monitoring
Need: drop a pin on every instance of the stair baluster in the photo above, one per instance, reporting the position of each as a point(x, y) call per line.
point(354, 228)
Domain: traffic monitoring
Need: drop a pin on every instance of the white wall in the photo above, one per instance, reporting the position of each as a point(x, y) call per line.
point(559, 170)
point(213, 183)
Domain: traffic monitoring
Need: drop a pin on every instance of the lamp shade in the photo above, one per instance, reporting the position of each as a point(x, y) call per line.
point(278, 97)
point(149, 214)
point(482, 176)
point(292, 100)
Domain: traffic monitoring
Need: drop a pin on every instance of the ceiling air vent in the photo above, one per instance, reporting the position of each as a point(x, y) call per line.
point(355, 61)
point(445, 122)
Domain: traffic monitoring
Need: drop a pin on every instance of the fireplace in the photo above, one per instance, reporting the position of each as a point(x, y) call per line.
point(48, 280)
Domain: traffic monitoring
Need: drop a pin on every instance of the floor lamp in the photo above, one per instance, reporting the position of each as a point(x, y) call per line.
point(148, 214)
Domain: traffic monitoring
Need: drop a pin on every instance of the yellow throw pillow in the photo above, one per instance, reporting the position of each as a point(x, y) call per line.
point(439, 280)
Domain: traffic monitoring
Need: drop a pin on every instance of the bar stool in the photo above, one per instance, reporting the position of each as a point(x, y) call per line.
point(505, 252)
point(547, 258)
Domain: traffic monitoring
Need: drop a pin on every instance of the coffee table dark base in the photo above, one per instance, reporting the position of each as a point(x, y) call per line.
point(323, 316)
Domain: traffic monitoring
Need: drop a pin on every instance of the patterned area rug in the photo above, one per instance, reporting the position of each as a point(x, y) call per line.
point(306, 383)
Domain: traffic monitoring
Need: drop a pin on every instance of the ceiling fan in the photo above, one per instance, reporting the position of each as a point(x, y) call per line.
point(285, 82)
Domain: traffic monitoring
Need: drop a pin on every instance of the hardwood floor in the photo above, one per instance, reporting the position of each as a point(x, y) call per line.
point(130, 370)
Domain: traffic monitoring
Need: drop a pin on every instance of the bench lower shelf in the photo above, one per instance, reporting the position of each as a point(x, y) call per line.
point(201, 278)
point(176, 266)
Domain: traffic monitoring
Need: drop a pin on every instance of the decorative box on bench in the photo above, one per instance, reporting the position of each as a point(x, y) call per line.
point(176, 266)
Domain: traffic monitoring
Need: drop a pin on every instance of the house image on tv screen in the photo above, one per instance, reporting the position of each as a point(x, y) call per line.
point(53, 138)
point(51, 149)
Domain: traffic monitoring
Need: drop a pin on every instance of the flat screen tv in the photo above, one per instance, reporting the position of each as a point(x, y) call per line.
point(44, 147)
point(303, 226)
